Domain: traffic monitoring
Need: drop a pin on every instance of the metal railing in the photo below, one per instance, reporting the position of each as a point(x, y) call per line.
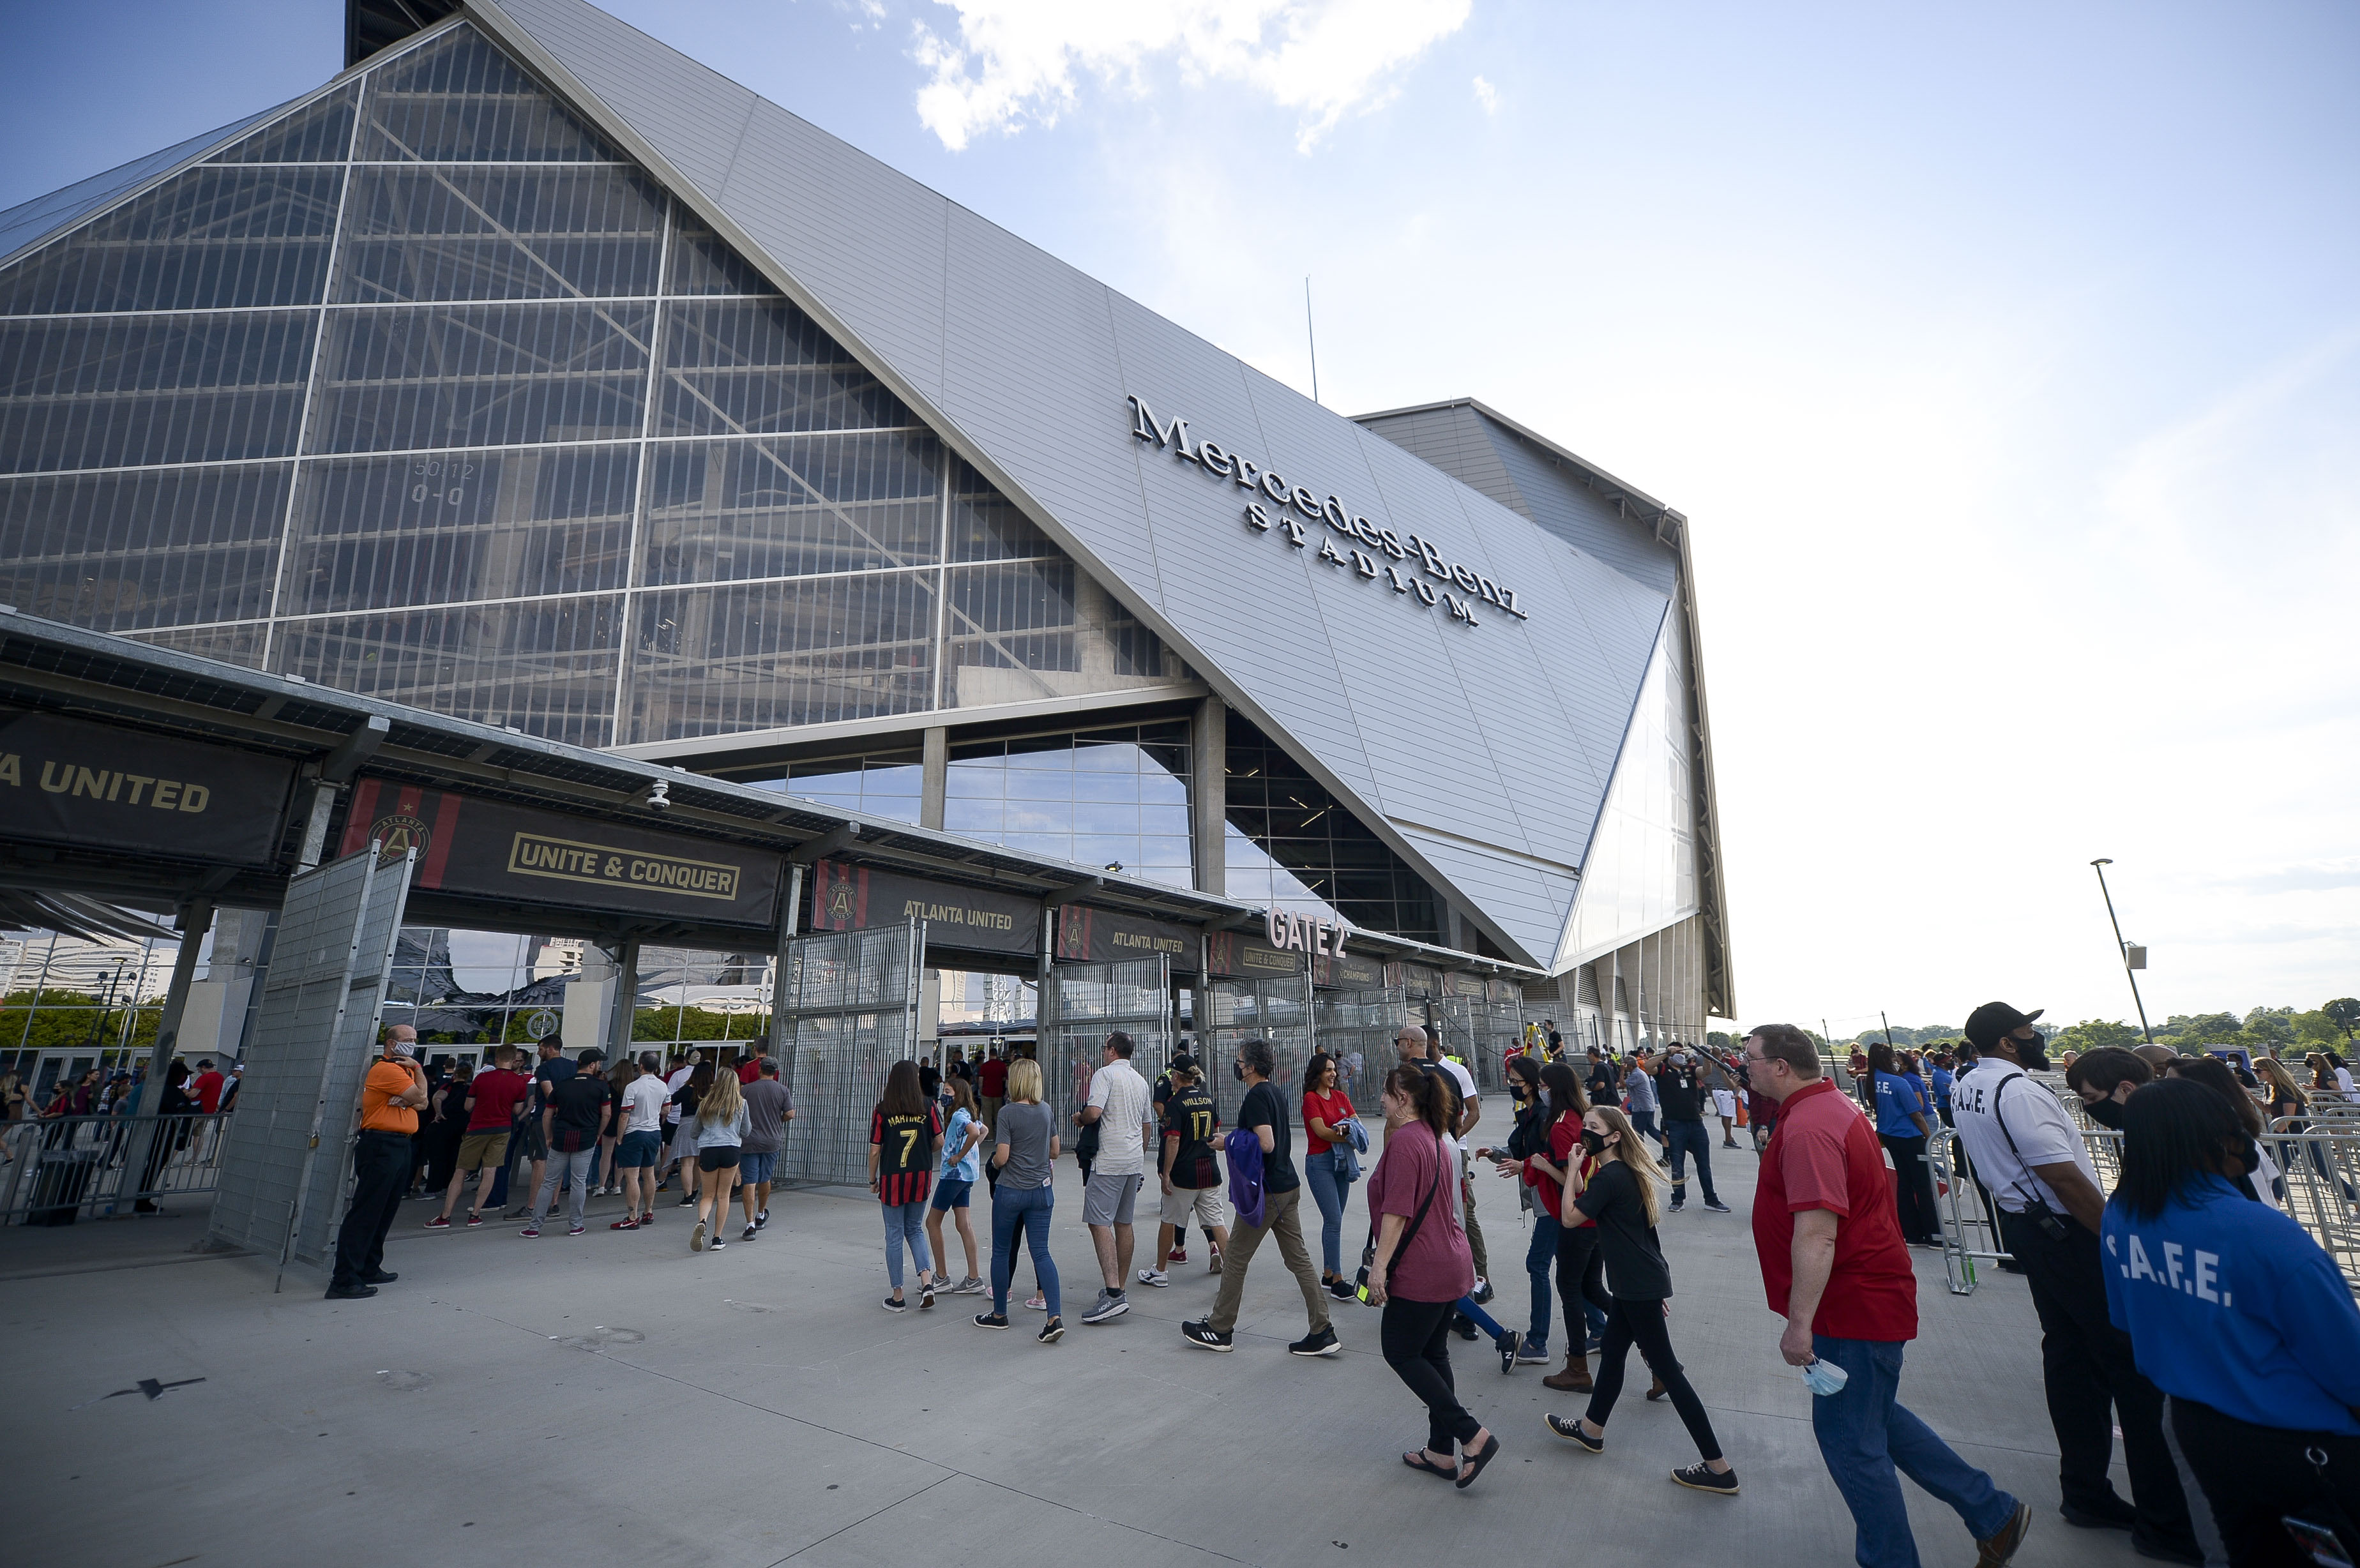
point(59, 1169)
point(2319, 1175)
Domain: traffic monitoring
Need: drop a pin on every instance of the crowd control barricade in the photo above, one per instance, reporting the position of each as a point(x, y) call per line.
point(1358, 1028)
point(850, 1000)
point(60, 1169)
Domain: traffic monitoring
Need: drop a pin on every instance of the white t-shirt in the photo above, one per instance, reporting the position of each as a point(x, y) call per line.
point(1120, 1095)
point(644, 1104)
point(1465, 1080)
point(672, 1086)
point(2344, 1079)
point(2043, 1134)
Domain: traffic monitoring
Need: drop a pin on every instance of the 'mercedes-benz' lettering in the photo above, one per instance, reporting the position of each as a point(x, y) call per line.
point(1268, 484)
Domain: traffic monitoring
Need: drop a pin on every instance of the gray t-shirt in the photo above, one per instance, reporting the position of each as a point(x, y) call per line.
point(1026, 1130)
point(1641, 1087)
point(767, 1104)
point(720, 1135)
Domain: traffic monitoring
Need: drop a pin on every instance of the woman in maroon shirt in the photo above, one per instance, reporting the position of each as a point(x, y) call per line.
point(1422, 1265)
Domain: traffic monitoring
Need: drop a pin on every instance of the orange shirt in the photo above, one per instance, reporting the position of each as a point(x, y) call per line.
point(384, 1082)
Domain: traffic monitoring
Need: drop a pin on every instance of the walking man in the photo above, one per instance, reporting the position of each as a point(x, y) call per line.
point(1118, 1108)
point(1263, 1114)
point(2038, 1172)
point(1680, 1086)
point(390, 1095)
point(573, 1117)
point(992, 1080)
point(769, 1109)
point(1835, 1266)
point(1188, 1174)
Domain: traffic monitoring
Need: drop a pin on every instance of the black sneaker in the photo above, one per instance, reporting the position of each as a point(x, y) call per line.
point(1319, 1342)
point(715, 1245)
point(382, 1277)
point(1054, 1330)
point(762, 1219)
point(1700, 1477)
point(1204, 1336)
point(358, 1292)
point(895, 1304)
point(1678, 1205)
point(991, 1320)
point(1569, 1428)
point(1343, 1290)
point(1716, 1206)
point(1509, 1344)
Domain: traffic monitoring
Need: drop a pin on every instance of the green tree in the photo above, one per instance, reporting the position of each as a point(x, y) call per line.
point(2267, 1028)
point(2344, 1014)
point(2092, 1033)
point(1717, 1038)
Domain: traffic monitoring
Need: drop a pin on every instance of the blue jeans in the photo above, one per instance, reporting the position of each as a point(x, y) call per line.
point(1321, 1173)
point(905, 1222)
point(1029, 1208)
point(1538, 1259)
point(1865, 1436)
point(1689, 1137)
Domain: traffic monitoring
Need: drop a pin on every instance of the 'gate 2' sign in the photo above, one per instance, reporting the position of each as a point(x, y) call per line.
point(1292, 506)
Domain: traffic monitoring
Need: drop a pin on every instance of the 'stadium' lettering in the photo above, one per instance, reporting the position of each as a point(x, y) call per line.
point(1269, 487)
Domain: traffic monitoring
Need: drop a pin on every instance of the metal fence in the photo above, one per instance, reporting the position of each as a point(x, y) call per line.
point(1357, 1029)
point(1277, 1009)
point(60, 1169)
point(1086, 1002)
point(851, 999)
point(1480, 1033)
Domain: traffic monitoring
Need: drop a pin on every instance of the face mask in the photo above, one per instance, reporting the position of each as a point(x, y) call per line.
point(2247, 1157)
point(1680, 1059)
point(2106, 1113)
point(2032, 1055)
point(1595, 1142)
point(1238, 1071)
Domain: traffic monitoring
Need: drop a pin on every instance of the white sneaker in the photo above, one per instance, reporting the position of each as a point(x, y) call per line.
point(1039, 1303)
point(1155, 1277)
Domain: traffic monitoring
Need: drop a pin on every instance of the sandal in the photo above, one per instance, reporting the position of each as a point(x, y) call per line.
point(1418, 1461)
point(1471, 1464)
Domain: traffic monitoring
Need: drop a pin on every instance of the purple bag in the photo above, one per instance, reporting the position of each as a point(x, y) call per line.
point(1244, 1148)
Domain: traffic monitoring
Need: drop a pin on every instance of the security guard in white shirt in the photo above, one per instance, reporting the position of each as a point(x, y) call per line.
point(2027, 1151)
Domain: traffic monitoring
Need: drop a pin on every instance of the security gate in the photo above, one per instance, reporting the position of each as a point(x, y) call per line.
point(1276, 1009)
point(1358, 1028)
point(850, 1000)
point(1480, 1033)
point(286, 1151)
point(1086, 1002)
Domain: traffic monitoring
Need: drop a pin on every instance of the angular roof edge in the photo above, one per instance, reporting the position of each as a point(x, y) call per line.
point(1622, 488)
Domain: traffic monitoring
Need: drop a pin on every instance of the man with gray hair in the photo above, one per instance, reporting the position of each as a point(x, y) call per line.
point(1264, 1115)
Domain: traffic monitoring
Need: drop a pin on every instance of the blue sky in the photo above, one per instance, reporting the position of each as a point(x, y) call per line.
point(2008, 363)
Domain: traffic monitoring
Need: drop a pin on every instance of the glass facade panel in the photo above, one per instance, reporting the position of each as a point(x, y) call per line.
point(547, 669)
point(703, 263)
point(119, 391)
point(986, 525)
point(459, 99)
point(1023, 631)
point(1640, 875)
point(792, 506)
point(448, 527)
point(320, 134)
point(888, 784)
point(762, 366)
point(212, 238)
point(232, 644)
point(455, 375)
point(1288, 843)
point(422, 234)
point(126, 550)
point(714, 661)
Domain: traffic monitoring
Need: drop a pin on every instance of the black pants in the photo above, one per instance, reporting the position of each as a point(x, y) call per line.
point(1641, 1324)
point(2091, 1381)
point(1416, 1338)
point(2255, 1475)
point(1580, 1277)
point(1912, 1188)
point(380, 1176)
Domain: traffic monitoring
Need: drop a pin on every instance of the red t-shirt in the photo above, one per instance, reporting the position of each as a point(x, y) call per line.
point(205, 1089)
point(748, 1070)
point(1565, 1135)
point(1825, 1155)
point(994, 1079)
point(1437, 1265)
point(496, 1093)
point(1331, 1107)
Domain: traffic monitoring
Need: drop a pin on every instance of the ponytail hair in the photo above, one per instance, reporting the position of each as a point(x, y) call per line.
point(1641, 1165)
point(1424, 1095)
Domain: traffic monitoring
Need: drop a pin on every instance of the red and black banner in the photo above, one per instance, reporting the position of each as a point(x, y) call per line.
point(846, 896)
point(1103, 936)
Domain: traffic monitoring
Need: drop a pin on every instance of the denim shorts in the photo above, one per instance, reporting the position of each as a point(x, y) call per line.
point(755, 1169)
point(950, 1193)
point(639, 1150)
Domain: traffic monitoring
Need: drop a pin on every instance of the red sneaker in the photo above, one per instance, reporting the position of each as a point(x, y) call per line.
point(473, 1220)
point(624, 1224)
point(440, 1222)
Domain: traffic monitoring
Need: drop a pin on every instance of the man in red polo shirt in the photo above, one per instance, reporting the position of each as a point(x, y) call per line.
point(1836, 1269)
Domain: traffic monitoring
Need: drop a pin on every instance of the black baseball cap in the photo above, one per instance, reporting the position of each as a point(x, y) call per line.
point(1987, 1023)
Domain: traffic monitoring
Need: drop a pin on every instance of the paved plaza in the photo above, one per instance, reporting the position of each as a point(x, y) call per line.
point(616, 1399)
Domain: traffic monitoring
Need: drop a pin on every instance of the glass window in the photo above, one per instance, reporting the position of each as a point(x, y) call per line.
point(792, 506)
point(761, 367)
point(145, 547)
point(704, 263)
point(1286, 842)
point(1021, 631)
point(1640, 874)
point(459, 99)
point(450, 527)
point(232, 644)
point(319, 133)
point(121, 391)
point(889, 786)
point(413, 233)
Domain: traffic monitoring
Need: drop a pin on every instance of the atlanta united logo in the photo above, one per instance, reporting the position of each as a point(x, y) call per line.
point(400, 833)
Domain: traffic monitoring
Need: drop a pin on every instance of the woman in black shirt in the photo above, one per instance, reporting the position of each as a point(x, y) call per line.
point(1621, 1197)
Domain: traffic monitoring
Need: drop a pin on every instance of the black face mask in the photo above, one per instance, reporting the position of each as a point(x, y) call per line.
point(2032, 1055)
point(2249, 1156)
point(2106, 1113)
point(1595, 1142)
point(1238, 1071)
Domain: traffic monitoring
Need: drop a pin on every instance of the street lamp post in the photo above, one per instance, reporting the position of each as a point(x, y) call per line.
point(2122, 948)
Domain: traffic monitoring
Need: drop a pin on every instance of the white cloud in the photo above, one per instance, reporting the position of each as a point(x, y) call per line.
point(1016, 61)
point(1487, 95)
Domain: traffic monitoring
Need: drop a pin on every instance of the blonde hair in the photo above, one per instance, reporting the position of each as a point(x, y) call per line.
point(723, 1101)
point(2281, 1080)
point(1025, 1081)
point(1643, 1167)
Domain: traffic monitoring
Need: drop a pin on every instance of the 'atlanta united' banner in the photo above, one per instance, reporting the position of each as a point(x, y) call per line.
point(491, 849)
point(846, 896)
point(1101, 936)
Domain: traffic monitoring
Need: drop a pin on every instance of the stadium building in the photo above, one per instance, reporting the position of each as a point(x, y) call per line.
point(533, 374)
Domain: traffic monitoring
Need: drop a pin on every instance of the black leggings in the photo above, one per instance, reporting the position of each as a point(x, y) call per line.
point(1641, 1324)
point(1913, 1188)
point(1416, 1338)
point(1580, 1276)
point(2255, 1475)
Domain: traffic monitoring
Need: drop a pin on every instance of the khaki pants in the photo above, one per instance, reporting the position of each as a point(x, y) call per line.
point(1281, 1219)
point(991, 1104)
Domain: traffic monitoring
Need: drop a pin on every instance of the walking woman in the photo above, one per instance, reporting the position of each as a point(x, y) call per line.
point(685, 1099)
point(1527, 1137)
point(1420, 1269)
point(903, 1132)
point(1026, 1154)
point(962, 1166)
point(1326, 1169)
point(1622, 1198)
point(2238, 1315)
point(721, 1121)
point(1560, 1170)
point(1903, 1124)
